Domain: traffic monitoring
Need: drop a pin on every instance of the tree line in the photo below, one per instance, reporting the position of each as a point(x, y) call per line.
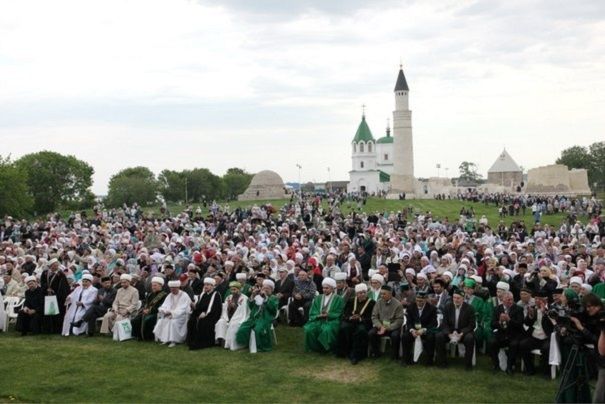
point(44, 182)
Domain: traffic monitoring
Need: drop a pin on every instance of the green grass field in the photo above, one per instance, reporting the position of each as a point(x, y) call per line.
point(440, 209)
point(78, 369)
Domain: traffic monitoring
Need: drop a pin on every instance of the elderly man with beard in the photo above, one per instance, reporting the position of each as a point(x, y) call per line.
point(79, 301)
point(235, 312)
point(28, 319)
point(256, 331)
point(507, 324)
point(387, 319)
point(321, 330)
point(302, 297)
point(206, 312)
point(171, 326)
point(456, 327)
point(106, 294)
point(54, 283)
point(355, 324)
point(124, 305)
point(144, 322)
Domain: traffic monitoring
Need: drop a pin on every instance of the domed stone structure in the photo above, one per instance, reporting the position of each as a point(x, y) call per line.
point(264, 185)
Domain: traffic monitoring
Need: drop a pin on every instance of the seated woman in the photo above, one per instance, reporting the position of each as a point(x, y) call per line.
point(263, 307)
point(144, 322)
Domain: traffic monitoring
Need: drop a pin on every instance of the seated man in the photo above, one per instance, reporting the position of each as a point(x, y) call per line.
point(28, 319)
point(171, 326)
point(457, 326)
point(302, 297)
point(342, 289)
point(256, 331)
point(77, 303)
point(421, 322)
point(105, 297)
point(387, 319)
point(206, 312)
point(507, 324)
point(324, 319)
point(235, 312)
point(355, 324)
point(124, 305)
point(538, 335)
point(144, 322)
point(284, 286)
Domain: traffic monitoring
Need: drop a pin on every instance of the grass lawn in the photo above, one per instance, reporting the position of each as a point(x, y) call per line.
point(440, 209)
point(78, 369)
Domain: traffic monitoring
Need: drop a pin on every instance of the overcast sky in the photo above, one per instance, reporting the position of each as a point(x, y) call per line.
point(266, 84)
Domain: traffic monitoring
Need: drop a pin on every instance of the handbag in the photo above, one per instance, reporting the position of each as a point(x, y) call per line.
point(51, 306)
point(123, 329)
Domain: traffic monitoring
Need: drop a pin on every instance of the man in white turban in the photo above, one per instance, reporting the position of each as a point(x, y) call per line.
point(77, 303)
point(124, 305)
point(206, 312)
point(235, 312)
point(171, 326)
point(322, 328)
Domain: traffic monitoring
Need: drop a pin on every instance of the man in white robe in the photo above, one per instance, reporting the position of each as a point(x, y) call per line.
point(124, 306)
point(171, 327)
point(77, 303)
point(235, 312)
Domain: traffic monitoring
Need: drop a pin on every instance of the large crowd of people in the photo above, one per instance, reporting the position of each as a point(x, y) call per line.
point(418, 287)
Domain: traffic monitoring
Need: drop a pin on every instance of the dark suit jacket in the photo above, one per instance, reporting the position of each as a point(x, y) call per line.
point(285, 287)
point(514, 327)
point(444, 300)
point(546, 324)
point(428, 319)
point(466, 320)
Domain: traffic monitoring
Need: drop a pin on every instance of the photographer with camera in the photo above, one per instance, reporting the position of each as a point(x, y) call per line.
point(538, 334)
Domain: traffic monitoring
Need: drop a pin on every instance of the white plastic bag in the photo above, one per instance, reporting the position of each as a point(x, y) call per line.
point(417, 348)
point(123, 328)
point(51, 306)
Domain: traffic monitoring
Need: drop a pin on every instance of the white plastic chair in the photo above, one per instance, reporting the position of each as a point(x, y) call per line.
point(12, 304)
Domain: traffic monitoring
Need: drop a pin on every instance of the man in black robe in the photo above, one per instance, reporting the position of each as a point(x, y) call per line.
point(355, 324)
point(144, 322)
point(28, 319)
point(206, 312)
point(54, 283)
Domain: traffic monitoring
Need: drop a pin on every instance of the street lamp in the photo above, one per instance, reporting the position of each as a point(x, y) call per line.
point(299, 183)
point(438, 168)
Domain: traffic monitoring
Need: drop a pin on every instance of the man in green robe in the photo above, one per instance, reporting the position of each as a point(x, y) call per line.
point(263, 309)
point(144, 322)
point(321, 331)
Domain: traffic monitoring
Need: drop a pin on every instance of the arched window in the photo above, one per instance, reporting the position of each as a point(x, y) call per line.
point(386, 157)
point(361, 147)
point(354, 147)
point(370, 147)
point(361, 164)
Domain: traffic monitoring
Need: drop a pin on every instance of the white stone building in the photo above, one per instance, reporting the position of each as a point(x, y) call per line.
point(372, 160)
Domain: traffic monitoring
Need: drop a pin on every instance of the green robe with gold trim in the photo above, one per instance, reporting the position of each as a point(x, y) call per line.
point(260, 321)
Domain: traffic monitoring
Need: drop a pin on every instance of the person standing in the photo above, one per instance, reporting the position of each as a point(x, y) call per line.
point(54, 283)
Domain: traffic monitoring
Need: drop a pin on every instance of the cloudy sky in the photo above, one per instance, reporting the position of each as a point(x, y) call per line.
point(266, 84)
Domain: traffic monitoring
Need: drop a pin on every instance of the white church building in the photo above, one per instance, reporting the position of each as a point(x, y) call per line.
point(386, 164)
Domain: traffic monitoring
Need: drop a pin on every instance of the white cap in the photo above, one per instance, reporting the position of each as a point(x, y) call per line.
point(576, 279)
point(229, 263)
point(174, 284)
point(126, 277)
point(329, 282)
point(503, 286)
point(31, 278)
point(477, 279)
point(340, 276)
point(87, 277)
point(379, 278)
point(210, 281)
point(269, 283)
point(410, 271)
point(361, 287)
point(422, 275)
point(158, 279)
point(448, 274)
point(240, 276)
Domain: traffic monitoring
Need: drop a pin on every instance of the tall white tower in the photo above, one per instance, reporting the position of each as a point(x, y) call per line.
point(402, 179)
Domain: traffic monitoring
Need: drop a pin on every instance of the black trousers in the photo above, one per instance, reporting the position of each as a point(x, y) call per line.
point(28, 323)
point(442, 339)
point(494, 346)
point(295, 317)
point(352, 340)
point(407, 346)
point(374, 338)
point(529, 344)
point(95, 311)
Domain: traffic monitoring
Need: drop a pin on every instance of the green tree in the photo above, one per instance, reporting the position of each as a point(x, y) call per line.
point(134, 184)
point(15, 199)
point(468, 172)
point(55, 180)
point(575, 157)
point(202, 184)
point(172, 185)
point(236, 181)
point(596, 172)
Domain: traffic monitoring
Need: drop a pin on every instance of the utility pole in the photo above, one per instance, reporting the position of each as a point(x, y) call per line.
point(185, 190)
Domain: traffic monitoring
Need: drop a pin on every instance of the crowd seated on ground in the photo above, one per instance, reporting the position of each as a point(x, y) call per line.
point(420, 288)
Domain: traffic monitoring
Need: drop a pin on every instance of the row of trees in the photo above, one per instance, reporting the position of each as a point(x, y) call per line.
point(44, 182)
point(139, 184)
point(592, 158)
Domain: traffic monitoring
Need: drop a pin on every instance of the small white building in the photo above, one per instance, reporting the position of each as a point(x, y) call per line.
point(372, 161)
